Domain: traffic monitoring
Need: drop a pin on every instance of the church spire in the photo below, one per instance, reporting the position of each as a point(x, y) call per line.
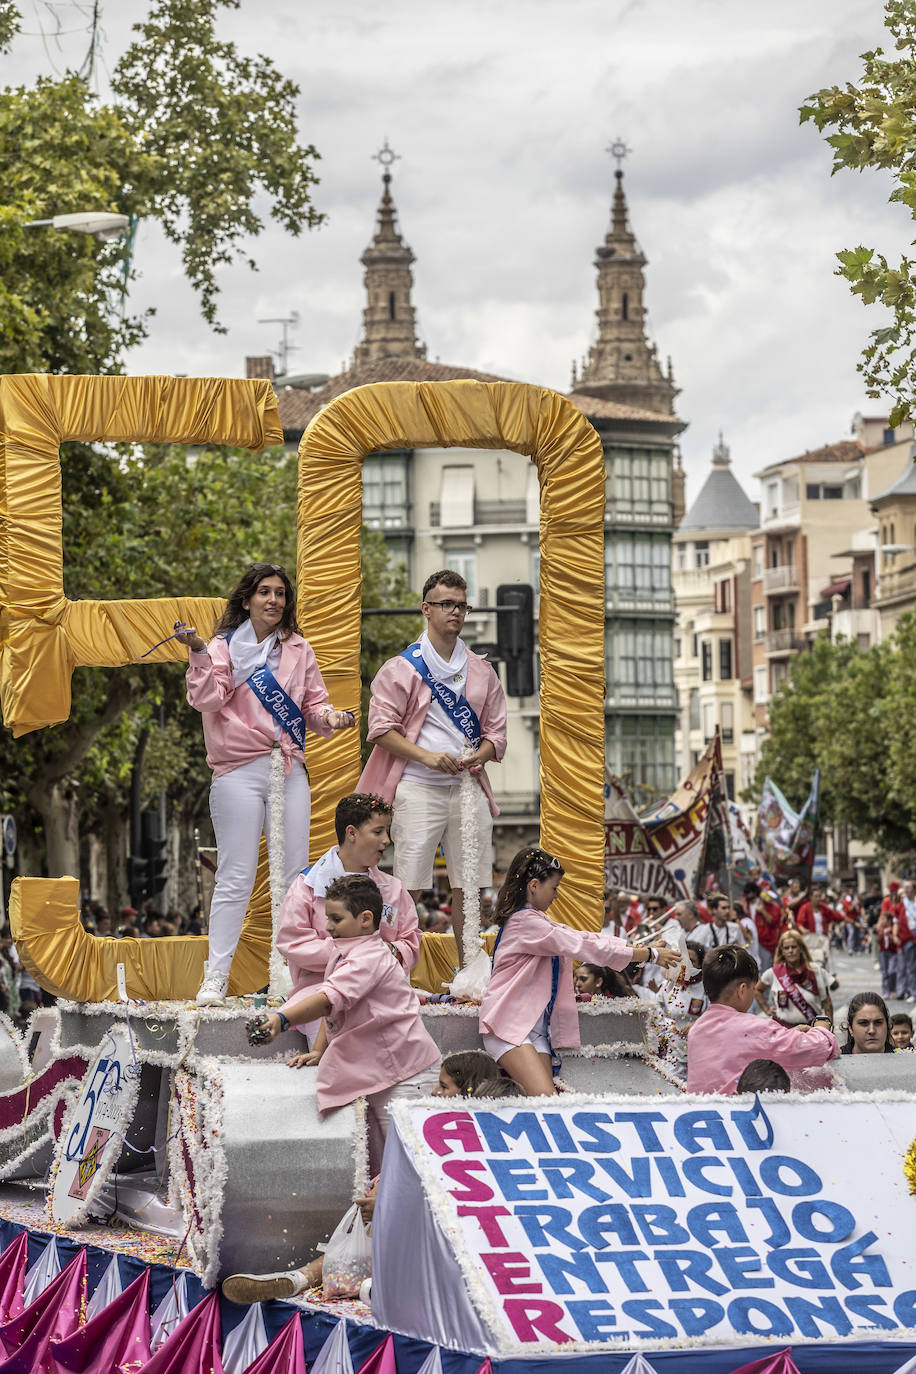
point(622, 365)
point(389, 320)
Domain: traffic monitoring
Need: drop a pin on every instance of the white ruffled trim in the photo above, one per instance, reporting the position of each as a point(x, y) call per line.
point(280, 982)
point(470, 865)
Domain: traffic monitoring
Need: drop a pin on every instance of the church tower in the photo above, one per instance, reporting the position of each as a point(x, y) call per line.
point(389, 320)
point(622, 365)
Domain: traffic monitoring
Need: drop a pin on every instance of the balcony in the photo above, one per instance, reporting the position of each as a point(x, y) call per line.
point(776, 581)
point(781, 643)
point(488, 513)
point(787, 514)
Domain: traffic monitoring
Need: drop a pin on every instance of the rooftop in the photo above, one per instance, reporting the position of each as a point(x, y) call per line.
point(722, 503)
point(846, 451)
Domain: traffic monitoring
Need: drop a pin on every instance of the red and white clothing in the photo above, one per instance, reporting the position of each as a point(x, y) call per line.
point(302, 936)
point(681, 1003)
point(790, 991)
point(722, 1043)
point(818, 921)
point(518, 993)
point(768, 918)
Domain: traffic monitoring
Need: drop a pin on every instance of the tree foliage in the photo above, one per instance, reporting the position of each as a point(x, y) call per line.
point(222, 128)
point(853, 715)
point(10, 23)
point(874, 125)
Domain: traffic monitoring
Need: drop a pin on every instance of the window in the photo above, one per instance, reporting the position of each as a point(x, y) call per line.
point(457, 496)
point(385, 491)
point(730, 784)
point(818, 491)
point(391, 312)
point(758, 560)
point(464, 562)
point(641, 656)
point(722, 596)
point(641, 750)
point(639, 482)
point(701, 553)
point(678, 646)
point(694, 646)
point(760, 621)
point(725, 659)
point(709, 720)
point(624, 307)
point(888, 437)
point(727, 722)
point(706, 671)
point(772, 500)
point(694, 708)
point(790, 491)
point(760, 683)
point(638, 565)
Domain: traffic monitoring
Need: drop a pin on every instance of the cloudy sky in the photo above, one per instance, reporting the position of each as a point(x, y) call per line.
point(501, 114)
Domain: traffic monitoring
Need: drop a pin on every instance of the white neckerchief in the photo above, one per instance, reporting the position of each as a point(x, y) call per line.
point(446, 670)
point(246, 655)
point(327, 870)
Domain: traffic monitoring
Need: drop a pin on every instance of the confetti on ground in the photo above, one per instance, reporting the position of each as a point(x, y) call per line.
point(141, 1245)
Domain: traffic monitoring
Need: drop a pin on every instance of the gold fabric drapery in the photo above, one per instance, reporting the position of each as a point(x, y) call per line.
point(43, 636)
point(570, 463)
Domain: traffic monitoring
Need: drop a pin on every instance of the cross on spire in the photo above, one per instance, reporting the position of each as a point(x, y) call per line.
point(618, 151)
point(386, 156)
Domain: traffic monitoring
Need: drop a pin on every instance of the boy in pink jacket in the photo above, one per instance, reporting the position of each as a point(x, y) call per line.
point(725, 1039)
point(437, 711)
point(373, 1043)
point(361, 822)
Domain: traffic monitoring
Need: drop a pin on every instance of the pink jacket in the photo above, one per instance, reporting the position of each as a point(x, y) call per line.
point(722, 1043)
point(375, 1035)
point(237, 728)
point(519, 987)
point(400, 700)
point(304, 943)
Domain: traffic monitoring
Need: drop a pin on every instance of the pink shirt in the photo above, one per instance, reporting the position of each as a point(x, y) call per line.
point(302, 936)
point(519, 987)
point(237, 728)
point(375, 1035)
point(722, 1043)
point(400, 701)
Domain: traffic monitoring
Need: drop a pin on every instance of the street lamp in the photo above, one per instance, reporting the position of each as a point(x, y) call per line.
point(99, 223)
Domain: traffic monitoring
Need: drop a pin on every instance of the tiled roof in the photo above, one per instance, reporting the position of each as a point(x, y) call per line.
point(298, 407)
point(601, 409)
point(846, 451)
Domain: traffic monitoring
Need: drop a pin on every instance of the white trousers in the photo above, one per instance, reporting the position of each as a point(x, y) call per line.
point(240, 811)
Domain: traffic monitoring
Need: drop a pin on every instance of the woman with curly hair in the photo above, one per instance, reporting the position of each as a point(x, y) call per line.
point(794, 991)
point(258, 687)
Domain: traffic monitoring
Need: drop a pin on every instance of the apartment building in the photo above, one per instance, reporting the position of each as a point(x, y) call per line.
point(713, 667)
point(477, 511)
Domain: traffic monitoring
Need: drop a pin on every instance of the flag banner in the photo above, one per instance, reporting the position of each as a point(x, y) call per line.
point(679, 828)
point(588, 1223)
point(786, 837)
point(747, 859)
point(631, 863)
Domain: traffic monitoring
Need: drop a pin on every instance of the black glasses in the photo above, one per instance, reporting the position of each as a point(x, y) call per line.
point(449, 606)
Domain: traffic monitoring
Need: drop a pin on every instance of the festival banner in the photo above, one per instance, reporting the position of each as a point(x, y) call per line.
point(787, 837)
point(630, 861)
point(610, 1221)
point(680, 827)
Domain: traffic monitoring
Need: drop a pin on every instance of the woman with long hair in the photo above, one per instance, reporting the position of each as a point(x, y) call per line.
point(795, 992)
point(258, 687)
point(868, 1025)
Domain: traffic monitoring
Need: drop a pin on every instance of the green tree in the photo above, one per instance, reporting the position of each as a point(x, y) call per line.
point(385, 584)
point(874, 125)
point(10, 23)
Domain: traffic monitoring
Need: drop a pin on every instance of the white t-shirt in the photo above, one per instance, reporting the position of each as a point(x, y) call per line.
point(437, 733)
point(782, 1004)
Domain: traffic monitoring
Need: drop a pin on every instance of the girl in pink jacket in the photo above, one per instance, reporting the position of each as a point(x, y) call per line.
point(530, 1003)
point(257, 686)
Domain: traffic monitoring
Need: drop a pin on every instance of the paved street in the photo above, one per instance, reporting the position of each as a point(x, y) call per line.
point(857, 973)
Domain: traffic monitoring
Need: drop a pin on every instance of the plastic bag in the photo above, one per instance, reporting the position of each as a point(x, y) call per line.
point(348, 1257)
point(471, 981)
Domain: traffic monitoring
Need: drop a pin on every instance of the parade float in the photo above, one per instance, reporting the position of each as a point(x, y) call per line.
point(147, 1149)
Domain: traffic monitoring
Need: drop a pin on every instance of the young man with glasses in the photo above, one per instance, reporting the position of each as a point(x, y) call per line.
point(436, 711)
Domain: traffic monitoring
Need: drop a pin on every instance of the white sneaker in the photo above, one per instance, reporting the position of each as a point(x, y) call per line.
point(213, 990)
point(249, 1288)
